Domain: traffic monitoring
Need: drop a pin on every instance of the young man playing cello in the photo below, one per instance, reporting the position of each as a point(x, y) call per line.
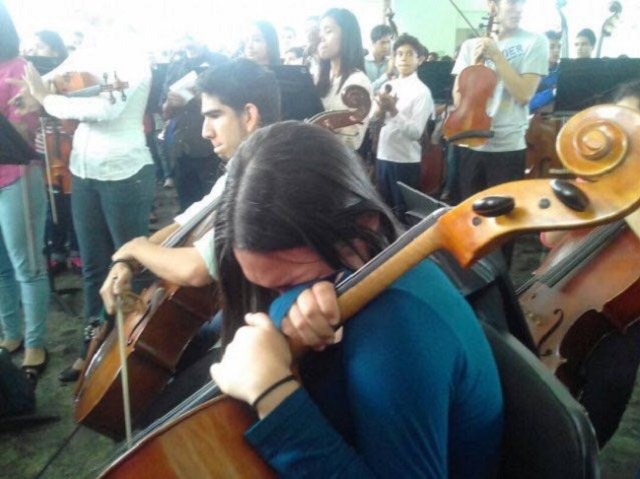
point(237, 99)
point(520, 59)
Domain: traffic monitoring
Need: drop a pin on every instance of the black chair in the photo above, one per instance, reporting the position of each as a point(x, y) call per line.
point(547, 433)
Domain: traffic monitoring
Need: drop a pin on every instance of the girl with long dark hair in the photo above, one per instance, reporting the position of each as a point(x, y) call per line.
point(262, 44)
point(408, 389)
point(341, 64)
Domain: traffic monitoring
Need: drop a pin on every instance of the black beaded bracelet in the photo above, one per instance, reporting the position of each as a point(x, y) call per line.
point(270, 389)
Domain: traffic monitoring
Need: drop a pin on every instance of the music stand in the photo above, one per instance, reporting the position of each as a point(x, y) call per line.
point(437, 76)
point(299, 97)
point(14, 150)
point(584, 82)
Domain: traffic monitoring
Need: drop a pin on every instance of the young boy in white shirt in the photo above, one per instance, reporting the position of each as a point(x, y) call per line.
point(405, 104)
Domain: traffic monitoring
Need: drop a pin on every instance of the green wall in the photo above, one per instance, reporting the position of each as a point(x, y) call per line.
point(436, 22)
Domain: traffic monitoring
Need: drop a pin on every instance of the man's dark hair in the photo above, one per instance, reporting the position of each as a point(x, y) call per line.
point(552, 35)
point(54, 41)
point(589, 35)
point(380, 31)
point(9, 40)
point(413, 42)
point(240, 82)
point(351, 52)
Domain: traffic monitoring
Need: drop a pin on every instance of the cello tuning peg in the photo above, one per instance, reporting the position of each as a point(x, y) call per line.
point(493, 206)
point(570, 195)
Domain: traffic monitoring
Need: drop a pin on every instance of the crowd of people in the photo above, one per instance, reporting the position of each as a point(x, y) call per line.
point(298, 209)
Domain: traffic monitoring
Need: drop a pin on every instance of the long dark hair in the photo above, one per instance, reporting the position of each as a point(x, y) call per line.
point(351, 52)
point(292, 184)
point(9, 40)
point(270, 36)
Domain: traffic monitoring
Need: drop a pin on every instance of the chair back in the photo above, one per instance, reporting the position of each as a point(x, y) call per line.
point(547, 432)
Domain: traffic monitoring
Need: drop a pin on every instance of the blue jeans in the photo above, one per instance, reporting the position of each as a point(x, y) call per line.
point(20, 280)
point(107, 214)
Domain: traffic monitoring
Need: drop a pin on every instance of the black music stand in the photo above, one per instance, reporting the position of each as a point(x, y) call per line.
point(14, 150)
point(437, 76)
point(584, 82)
point(299, 97)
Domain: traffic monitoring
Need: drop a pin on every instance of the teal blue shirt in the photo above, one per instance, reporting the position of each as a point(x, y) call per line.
point(411, 391)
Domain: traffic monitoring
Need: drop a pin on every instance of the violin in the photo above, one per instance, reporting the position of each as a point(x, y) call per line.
point(469, 125)
point(355, 97)
point(207, 441)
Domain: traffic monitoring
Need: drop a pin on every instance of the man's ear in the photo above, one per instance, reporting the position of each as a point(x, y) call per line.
point(252, 117)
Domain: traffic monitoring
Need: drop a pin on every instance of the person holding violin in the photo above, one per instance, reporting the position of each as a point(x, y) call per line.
point(23, 272)
point(404, 105)
point(412, 370)
point(237, 98)
point(341, 65)
point(520, 60)
point(111, 166)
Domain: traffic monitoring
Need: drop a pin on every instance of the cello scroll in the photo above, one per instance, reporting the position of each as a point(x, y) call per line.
point(355, 97)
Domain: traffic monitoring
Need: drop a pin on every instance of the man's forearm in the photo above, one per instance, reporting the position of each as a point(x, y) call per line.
point(183, 266)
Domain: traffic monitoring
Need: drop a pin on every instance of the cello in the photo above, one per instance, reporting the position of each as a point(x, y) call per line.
point(151, 353)
point(204, 442)
point(615, 8)
point(567, 305)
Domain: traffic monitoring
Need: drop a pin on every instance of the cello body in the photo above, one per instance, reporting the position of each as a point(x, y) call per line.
point(584, 290)
point(156, 339)
point(156, 336)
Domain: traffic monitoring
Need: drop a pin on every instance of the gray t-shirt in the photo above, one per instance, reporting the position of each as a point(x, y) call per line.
point(527, 53)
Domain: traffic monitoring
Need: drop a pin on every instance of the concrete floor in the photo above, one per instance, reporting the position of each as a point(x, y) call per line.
point(60, 449)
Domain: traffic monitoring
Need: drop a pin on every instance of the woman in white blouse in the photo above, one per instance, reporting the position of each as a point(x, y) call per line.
point(341, 64)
